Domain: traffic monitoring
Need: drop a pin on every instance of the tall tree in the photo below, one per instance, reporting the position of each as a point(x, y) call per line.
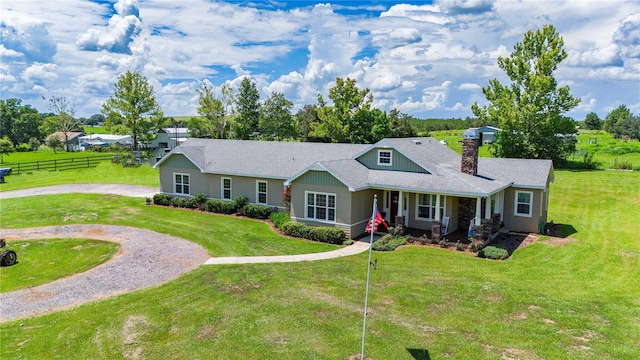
point(18, 122)
point(276, 121)
point(212, 122)
point(349, 118)
point(306, 117)
point(618, 114)
point(529, 110)
point(248, 108)
point(6, 148)
point(592, 121)
point(133, 108)
point(400, 125)
point(64, 118)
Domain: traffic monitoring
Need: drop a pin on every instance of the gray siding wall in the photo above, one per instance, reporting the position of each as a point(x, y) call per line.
point(245, 186)
point(211, 184)
point(180, 164)
point(319, 178)
point(523, 223)
point(362, 208)
point(399, 162)
point(451, 210)
point(343, 202)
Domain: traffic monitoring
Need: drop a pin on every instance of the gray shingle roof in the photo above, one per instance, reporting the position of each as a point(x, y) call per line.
point(268, 159)
point(285, 160)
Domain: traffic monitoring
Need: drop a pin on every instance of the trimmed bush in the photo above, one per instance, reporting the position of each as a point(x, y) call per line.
point(331, 235)
point(200, 199)
point(279, 219)
point(162, 199)
point(495, 252)
point(239, 202)
point(178, 202)
point(389, 243)
point(257, 211)
point(190, 203)
point(220, 207)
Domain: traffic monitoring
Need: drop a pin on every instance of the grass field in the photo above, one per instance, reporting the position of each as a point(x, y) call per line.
point(574, 299)
point(104, 173)
point(608, 152)
point(45, 260)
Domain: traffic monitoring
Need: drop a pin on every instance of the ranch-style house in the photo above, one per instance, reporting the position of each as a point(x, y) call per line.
point(420, 182)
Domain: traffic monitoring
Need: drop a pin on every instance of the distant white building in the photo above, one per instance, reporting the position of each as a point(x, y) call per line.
point(105, 140)
point(168, 138)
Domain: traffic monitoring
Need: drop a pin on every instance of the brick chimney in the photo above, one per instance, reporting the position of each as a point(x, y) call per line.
point(469, 152)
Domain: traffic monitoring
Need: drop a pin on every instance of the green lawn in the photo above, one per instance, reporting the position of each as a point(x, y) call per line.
point(575, 300)
point(45, 260)
point(104, 173)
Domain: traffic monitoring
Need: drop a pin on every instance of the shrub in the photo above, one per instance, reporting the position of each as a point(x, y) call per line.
point(190, 203)
point(220, 207)
point(297, 229)
point(257, 211)
point(178, 202)
point(396, 231)
point(162, 199)
point(459, 246)
point(443, 243)
point(331, 235)
point(200, 199)
point(424, 239)
point(239, 202)
point(495, 252)
point(279, 219)
point(389, 243)
point(474, 246)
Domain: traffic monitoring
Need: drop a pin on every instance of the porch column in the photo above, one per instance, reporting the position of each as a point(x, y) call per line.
point(437, 208)
point(501, 205)
point(478, 212)
point(399, 217)
point(487, 208)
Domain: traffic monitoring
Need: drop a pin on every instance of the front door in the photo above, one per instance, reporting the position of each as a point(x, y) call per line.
point(393, 210)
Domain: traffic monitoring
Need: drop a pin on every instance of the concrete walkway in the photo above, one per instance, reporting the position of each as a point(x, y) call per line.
point(356, 248)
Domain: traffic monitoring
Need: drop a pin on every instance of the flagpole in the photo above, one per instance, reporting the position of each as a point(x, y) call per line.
point(366, 296)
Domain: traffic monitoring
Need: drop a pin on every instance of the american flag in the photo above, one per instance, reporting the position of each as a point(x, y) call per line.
point(373, 223)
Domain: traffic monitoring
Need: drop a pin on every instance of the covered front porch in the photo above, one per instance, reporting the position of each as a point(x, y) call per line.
point(443, 215)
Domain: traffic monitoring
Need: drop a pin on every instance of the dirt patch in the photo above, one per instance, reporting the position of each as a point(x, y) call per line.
point(132, 330)
point(518, 354)
point(208, 331)
point(557, 241)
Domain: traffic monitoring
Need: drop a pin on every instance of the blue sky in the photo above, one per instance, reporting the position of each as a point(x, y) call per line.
point(428, 59)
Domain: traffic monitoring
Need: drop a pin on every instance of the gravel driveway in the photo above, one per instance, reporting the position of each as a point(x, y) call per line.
point(146, 258)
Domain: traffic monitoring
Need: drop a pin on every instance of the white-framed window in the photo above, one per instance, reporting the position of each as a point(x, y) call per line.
point(226, 188)
point(385, 157)
point(426, 206)
point(181, 183)
point(321, 206)
point(523, 204)
point(261, 192)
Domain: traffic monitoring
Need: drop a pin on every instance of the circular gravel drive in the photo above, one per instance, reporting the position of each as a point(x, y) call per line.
point(113, 189)
point(146, 258)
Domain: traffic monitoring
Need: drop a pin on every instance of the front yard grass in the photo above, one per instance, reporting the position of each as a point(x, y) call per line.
point(578, 300)
point(44, 260)
point(104, 173)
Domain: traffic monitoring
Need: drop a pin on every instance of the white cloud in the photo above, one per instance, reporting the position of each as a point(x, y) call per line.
point(469, 86)
point(118, 33)
point(40, 74)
